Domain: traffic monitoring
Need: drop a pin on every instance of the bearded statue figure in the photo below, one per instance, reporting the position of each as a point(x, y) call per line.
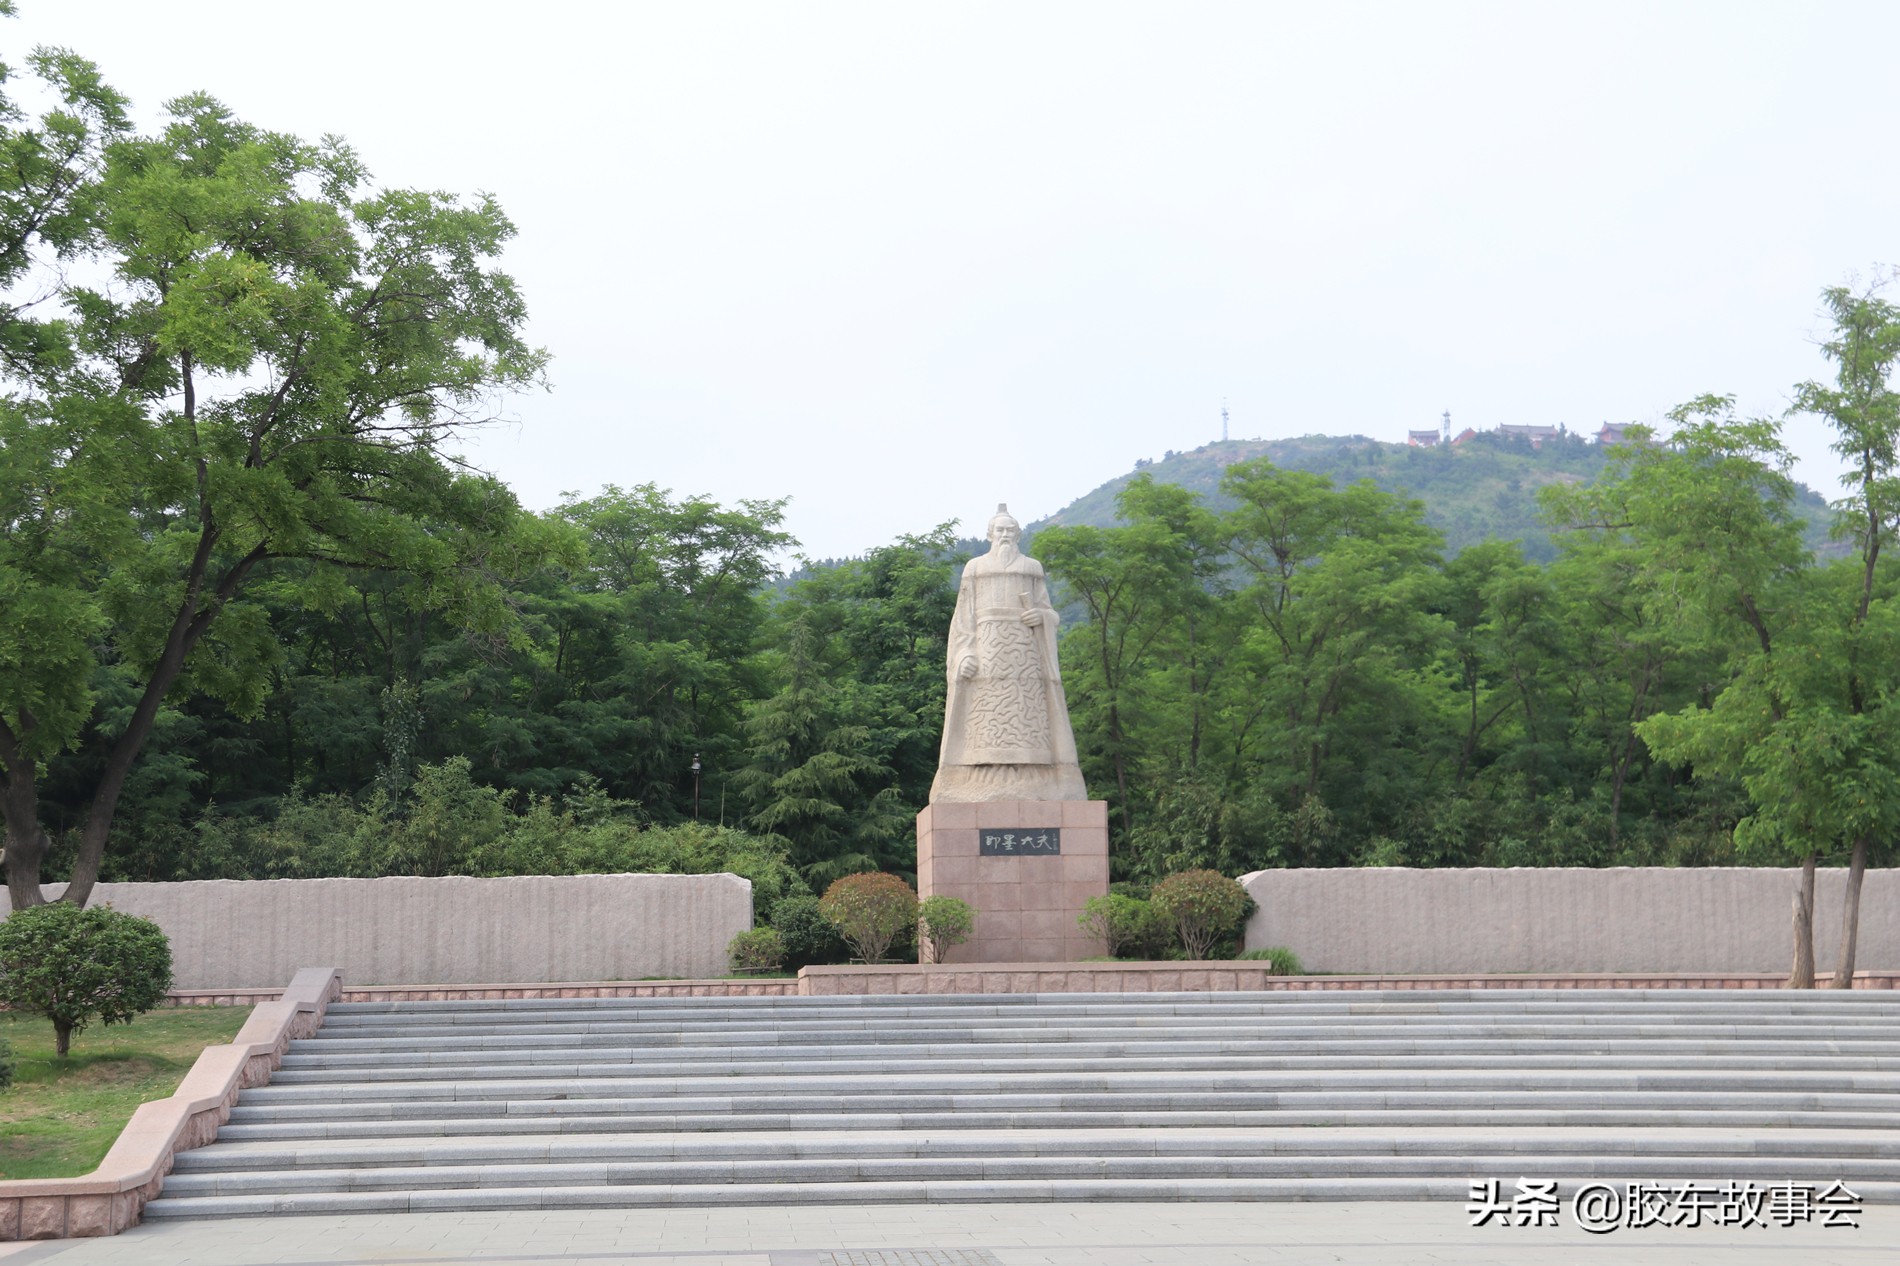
point(1006, 729)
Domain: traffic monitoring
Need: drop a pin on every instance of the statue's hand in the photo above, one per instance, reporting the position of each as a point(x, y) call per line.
point(1032, 617)
point(967, 669)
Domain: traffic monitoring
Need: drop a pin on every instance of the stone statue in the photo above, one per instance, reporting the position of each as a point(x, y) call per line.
point(1006, 729)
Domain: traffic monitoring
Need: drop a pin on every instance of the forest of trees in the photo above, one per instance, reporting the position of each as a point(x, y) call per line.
point(256, 621)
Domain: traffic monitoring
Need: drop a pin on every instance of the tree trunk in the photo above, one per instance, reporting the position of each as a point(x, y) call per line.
point(1850, 916)
point(188, 626)
point(20, 801)
point(97, 830)
point(1121, 766)
point(1195, 690)
point(24, 852)
point(1469, 750)
point(1803, 975)
point(1628, 755)
point(62, 1038)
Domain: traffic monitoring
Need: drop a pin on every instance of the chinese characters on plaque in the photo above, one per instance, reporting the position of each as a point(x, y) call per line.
point(1039, 841)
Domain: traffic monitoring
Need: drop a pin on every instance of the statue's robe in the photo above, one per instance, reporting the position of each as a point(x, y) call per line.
point(1006, 732)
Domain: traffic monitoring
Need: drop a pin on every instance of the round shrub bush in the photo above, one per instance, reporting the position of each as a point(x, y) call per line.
point(75, 965)
point(761, 949)
point(1128, 926)
point(943, 922)
point(1203, 906)
point(870, 911)
point(809, 937)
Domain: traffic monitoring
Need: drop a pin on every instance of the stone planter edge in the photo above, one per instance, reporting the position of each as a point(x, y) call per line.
point(111, 1198)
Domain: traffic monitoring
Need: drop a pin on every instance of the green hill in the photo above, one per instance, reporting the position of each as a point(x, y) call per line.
point(1483, 488)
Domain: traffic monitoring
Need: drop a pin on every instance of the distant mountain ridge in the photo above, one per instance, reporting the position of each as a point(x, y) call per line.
point(1482, 489)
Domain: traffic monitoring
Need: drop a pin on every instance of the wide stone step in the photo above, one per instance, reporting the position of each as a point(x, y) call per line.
point(788, 1107)
point(1332, 1036)
point(1197, 1000)
point(686, 1028)
point(305, 1055)
point(1764, 1170)
point(906, 1083)
point(1264, 1009)
point(1484, 1116)
point(1352, 1142)
point(1183, 1062)
point(1445, 1190)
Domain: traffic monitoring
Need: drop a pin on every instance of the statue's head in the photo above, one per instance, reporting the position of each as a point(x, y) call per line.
point(1004, 530)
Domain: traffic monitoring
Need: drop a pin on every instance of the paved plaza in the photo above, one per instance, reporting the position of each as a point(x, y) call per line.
point(957, 1235)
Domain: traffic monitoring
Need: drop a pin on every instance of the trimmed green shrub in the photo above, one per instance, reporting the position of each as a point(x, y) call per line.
point(75, 966)
point(761, 949)
point(1203, 906)
point(1280, 961)
point(809, 936)
point(1128, 926)
point(943, 922)
point(870, 911)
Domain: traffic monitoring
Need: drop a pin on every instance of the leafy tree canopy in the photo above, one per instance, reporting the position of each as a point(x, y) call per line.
point(234, 336)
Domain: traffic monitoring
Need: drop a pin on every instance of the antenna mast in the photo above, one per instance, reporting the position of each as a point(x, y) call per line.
point(1223, 419)
point(1448, 426)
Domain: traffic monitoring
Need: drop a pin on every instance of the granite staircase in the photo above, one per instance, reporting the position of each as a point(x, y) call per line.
point(1218, 1096)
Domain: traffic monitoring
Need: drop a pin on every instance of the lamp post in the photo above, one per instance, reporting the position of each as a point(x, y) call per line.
point(695, 786)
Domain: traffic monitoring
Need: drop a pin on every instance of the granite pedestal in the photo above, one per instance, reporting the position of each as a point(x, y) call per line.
point(1026, 898)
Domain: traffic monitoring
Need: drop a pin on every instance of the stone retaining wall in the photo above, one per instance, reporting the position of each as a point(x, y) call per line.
point(233, 934)
point(1719, 920)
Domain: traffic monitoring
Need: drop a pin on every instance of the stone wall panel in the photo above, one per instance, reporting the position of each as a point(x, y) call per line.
point(435, 931)
point(1563, 919)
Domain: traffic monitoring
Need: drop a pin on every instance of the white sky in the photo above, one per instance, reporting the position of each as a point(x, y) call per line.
point(900, 261)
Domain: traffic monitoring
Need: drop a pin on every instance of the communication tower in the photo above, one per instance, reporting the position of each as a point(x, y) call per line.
point(1448, 426)
point(1223, 420)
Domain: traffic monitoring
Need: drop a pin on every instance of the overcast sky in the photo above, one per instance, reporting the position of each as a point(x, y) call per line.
point(900, 261)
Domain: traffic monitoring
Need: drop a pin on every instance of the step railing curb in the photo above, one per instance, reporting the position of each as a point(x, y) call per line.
point(111, 1198)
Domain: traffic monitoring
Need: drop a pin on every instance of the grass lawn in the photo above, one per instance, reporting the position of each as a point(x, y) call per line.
point(60, 1117)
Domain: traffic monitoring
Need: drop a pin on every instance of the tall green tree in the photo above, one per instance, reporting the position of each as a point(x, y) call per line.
point(816, 779)
point(50, 210)
point(1148, 590)
point(884, 619)
point(270, 373)
point(1667, 562)
point(842, 746)
point(1864, 410)
point(640, 651)
point(1504, 640)
point(1799, 721)
point(1340, 593)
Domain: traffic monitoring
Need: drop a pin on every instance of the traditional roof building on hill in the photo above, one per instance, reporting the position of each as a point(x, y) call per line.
point(1424, 439)
point(1535, 434)
point(1611, 433)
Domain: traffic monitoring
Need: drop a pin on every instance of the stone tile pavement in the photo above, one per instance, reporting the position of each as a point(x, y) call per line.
point(1199, 1234)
